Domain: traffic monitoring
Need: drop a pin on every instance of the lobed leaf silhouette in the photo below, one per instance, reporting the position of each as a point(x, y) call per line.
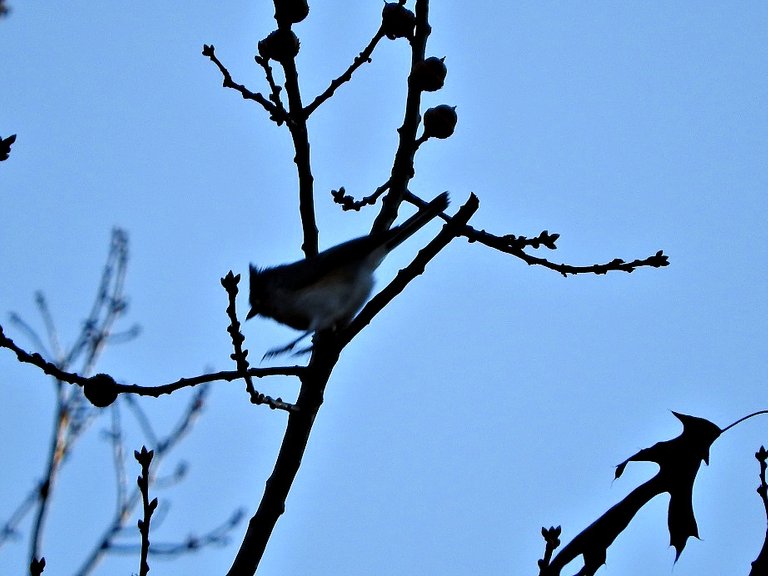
point(679, 460)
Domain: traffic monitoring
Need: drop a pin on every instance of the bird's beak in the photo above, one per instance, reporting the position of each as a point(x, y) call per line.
point(253, 312)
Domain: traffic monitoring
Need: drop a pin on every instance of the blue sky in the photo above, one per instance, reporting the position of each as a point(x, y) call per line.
point(491, 398)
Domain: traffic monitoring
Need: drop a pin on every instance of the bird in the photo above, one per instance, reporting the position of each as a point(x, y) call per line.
point(329, 289)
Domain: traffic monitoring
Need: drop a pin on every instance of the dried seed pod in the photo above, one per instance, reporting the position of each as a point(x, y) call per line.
point(280, 45)
point(397, 21)
point(429, 75)
point(291, 11)
point(100, 390)
point(440, 121)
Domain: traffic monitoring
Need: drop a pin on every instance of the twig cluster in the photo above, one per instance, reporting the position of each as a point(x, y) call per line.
point(74, 414)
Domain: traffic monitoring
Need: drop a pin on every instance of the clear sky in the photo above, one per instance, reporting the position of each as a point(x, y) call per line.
point(491, 398)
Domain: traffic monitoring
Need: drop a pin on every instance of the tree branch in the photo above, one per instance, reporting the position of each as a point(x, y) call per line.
point(450, 231)
point(276, 112)
point(360, 59)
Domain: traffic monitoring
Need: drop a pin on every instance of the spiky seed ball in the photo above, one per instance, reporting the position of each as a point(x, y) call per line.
point(291, 11)
point(397, 21)
point(100, 390)
point(440, 121)
point(429, 75)
point(280, 45)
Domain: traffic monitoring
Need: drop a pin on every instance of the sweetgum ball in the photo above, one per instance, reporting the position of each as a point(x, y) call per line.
point(100, 390)
point(397, 21)
point(440, 121)
point(429, 75)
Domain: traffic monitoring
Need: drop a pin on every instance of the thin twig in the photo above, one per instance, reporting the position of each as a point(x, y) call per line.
point(449, 231)
point(162, 447)
point(276, 113)
point(760, 565)
point(217, 536)
point(347, 202)
point(514, 245)
point(50, 327)
point(240, 355)
point(360, 59)
point(747, 417)
point(144, 458)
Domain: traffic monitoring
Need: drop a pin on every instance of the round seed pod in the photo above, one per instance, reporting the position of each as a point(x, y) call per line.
point(280, 45)
point(429, 75)
point(291, 11)
point(100, 390)
point(440, 121)
point(397, 21)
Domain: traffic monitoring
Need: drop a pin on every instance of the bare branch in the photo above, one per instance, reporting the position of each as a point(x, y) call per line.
point(277, 113)
point(450, 231)
point(347, 202)
point(360, 59)
point(760, 565)
point(240, 356)
point(144, 457)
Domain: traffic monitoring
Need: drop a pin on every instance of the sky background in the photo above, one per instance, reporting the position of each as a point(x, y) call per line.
point(491, 398)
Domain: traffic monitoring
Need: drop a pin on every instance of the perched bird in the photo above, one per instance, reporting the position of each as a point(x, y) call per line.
point(327, 290)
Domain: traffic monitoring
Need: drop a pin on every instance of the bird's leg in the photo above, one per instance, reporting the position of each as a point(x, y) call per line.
point(288, 347)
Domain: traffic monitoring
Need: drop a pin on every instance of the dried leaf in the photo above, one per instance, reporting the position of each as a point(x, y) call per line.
point(679, 460)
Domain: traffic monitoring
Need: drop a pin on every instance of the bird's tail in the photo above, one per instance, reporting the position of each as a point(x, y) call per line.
point(401, 233)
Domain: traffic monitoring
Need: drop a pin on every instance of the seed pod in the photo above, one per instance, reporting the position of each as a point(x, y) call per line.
point(440, 121)
point(291, 11)
point(100, 390)
point(397, 21)
point(280, 45)
point(429, 75)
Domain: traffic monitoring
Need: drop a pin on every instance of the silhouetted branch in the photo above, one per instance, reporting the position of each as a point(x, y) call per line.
point(276, 112)
point(155, 391)
point(403, 166)
point(347, 202)
point(240, 356)
point(217, 536)
point(71, 414)
point(376, 304)
point(162, 446)
point(760, 565)
point(274, 90)
point(551, 537)
point(514, 245)
point(300, 137)
point(144, 458)
point(360, 59)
